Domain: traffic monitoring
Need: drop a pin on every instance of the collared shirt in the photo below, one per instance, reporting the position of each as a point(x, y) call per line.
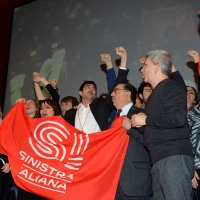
point(126, 108)
point(85, 120)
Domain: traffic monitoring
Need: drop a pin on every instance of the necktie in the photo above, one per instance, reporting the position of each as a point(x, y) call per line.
point(117, 114)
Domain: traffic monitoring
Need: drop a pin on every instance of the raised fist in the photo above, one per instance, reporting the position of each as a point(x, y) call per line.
point(106, 58)
point(121, 51)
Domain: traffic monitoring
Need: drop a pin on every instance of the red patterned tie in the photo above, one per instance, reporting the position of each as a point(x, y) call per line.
point(117, 114)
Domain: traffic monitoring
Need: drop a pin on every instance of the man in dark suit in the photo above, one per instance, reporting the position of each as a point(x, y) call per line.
point(135, 178)
point(93, 113)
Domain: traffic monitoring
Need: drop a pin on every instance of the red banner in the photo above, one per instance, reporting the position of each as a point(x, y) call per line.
point(51, 158)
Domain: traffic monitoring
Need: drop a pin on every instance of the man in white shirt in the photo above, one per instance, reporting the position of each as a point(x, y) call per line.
point(93, 113)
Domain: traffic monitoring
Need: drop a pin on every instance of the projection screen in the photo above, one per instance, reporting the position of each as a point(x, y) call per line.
point(63, 39)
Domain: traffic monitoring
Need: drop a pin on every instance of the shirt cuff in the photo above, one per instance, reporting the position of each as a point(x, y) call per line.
point(123, 68)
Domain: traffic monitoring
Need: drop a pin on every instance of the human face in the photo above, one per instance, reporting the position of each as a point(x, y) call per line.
point(146, 93)
point(88, 93)
point(148, 71)
point(46, 110)
point(65, 106)
point(120, 97)
point(31, 108)
point(190, 97)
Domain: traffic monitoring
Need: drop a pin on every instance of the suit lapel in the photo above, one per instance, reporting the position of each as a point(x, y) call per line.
point(133, 110)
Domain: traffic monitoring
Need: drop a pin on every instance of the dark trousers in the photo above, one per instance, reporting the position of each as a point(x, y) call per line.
point(121, 196)
point(6, 185)
point(24, 195)
point(6, 182)
point(171, 178)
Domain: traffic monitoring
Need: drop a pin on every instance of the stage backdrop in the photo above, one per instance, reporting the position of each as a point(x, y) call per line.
point(64, 39)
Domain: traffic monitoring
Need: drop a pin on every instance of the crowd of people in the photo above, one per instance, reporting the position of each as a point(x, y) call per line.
point(162, 121)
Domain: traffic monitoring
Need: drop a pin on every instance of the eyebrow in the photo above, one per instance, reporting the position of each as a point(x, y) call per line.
point(90, 85)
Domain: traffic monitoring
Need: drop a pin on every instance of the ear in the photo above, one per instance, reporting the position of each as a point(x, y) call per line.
point(80, 93)
point(141, 96)
point(157, 69)
point(128, 95)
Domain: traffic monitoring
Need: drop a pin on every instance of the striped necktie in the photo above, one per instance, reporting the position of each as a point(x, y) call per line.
point(117, 114)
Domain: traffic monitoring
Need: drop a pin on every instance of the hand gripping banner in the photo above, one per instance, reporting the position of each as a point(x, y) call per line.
point(51, 158)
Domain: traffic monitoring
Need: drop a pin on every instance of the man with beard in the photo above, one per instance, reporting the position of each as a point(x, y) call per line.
point(93, 113)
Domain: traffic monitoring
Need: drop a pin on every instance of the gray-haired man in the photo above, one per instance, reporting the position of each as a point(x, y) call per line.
point(166, 134)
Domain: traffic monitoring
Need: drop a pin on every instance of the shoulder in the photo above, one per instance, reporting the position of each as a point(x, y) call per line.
point(195, 109)
point(169, 87)
point(170, 84)
point(97, 101)
point(135, 110)
point(70, 112)
point(166, 83)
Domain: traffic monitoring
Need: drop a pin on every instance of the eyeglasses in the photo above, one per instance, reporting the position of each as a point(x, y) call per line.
point(29, 102)
point(191, 92)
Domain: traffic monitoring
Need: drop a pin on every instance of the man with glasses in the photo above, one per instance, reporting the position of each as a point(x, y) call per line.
point(135, 178)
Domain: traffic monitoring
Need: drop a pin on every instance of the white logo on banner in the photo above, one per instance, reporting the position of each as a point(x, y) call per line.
point(47, 144)
point(48, 134)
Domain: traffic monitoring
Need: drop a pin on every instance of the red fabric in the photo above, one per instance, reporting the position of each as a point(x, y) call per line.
point(51, 158)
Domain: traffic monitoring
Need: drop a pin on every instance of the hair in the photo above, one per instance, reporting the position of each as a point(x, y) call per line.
point(103, 94)
point(141, 87)
point(129, 87)
point(195, 93)
point(37, 113)
point(87, 83)
point(163, 58)
point(71, 99)
point(53, 104)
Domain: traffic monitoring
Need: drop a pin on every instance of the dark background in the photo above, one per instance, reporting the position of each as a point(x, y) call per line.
point(6, 10)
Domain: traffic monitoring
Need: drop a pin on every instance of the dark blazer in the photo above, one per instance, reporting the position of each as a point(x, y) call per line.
point(100, 107)
point(135, 178)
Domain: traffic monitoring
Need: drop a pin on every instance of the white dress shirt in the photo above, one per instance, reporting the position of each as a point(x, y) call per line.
point(126, 108)
point(85, 120)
